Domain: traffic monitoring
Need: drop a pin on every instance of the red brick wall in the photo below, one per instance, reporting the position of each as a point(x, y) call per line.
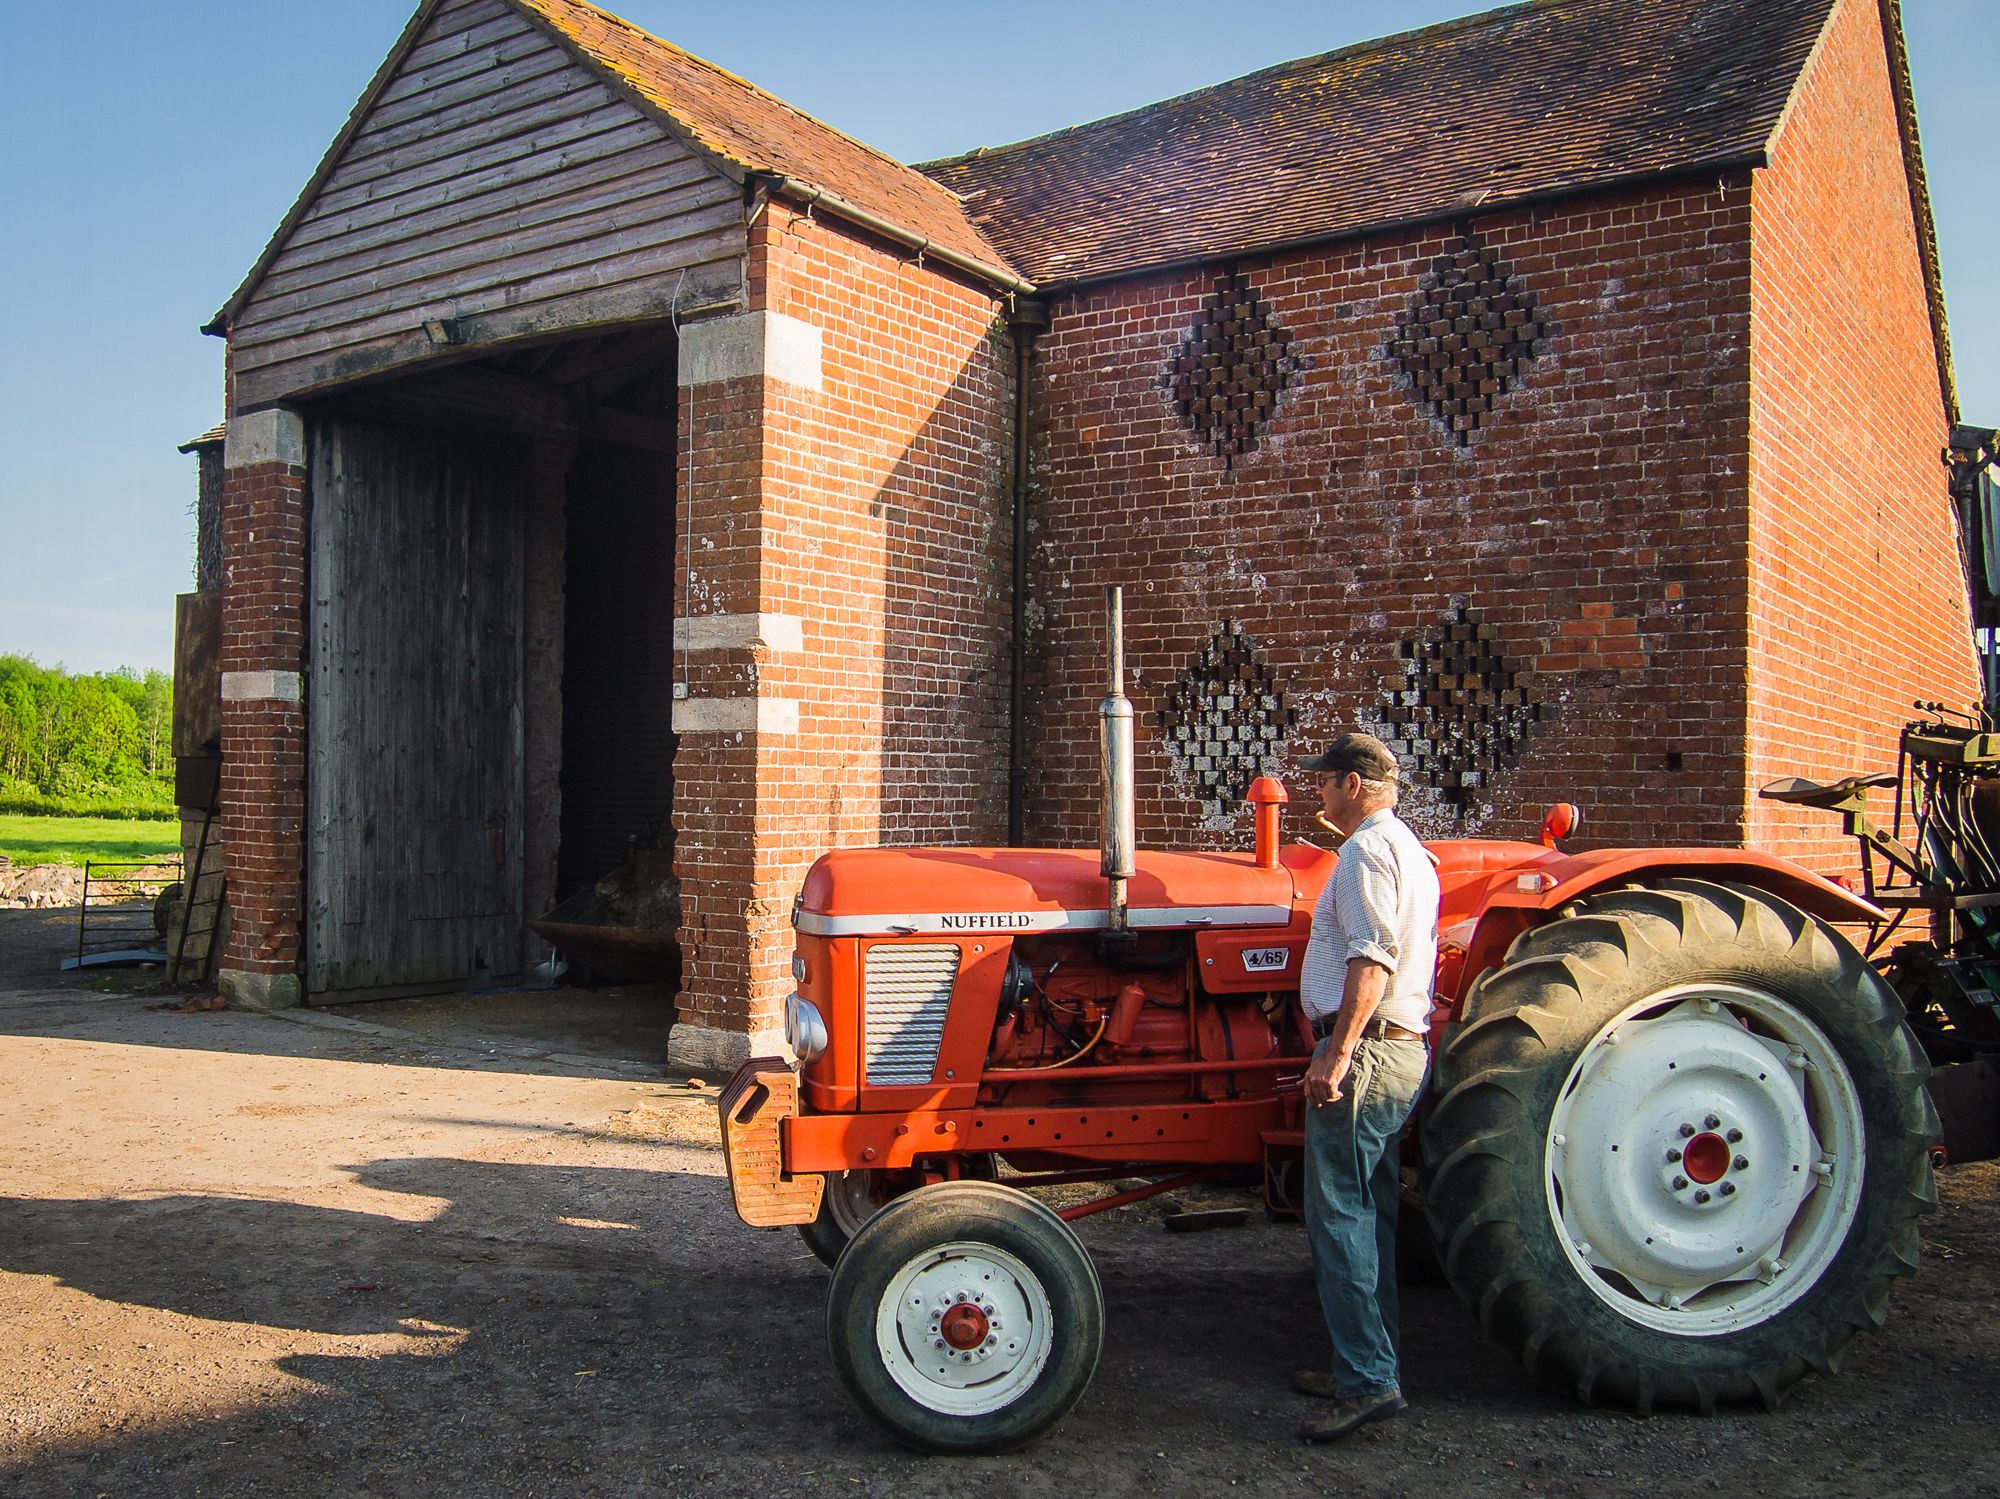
point(1597, 523)
point(886, 504)
point(263, 741)
point(1857, 600)
point(715, 775)
point(880, 520)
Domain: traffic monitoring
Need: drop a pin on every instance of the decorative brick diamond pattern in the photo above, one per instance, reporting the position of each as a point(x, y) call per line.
point(1464, 713)
point(1469, 336)
point(1225, 721)
point(1233, 366)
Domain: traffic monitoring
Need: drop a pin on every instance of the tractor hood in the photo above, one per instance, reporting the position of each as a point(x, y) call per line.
point(900, 891)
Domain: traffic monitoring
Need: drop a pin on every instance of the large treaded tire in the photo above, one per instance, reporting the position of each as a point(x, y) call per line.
point(847, 1204)
point(1503, 1070)
point(930, 1248)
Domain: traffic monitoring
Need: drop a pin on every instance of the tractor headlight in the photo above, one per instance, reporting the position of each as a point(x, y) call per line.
point(805, 1032)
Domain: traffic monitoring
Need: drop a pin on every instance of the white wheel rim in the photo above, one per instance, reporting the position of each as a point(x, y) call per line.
point(1705, 1160)
point(949, 1290)
point(850, 1200)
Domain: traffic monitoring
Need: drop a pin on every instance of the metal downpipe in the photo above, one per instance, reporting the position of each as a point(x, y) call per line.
point(1029, 319)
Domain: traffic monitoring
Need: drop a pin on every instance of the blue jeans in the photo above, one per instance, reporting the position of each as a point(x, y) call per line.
point(1353, 1155)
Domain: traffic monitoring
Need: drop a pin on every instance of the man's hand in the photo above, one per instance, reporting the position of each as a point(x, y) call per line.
point(1327, 1073)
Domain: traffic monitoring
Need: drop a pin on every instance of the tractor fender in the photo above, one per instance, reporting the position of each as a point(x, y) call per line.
point(1533, 894)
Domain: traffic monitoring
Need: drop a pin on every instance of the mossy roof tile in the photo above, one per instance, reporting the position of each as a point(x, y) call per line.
point(1520, 103)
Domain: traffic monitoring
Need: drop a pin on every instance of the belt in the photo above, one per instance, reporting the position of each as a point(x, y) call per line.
point(1378, 1028)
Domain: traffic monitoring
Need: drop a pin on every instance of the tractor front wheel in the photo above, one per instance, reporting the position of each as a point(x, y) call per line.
point(1679, 1147)
point(965, 1317)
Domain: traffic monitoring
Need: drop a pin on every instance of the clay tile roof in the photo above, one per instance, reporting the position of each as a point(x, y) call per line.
point(1535, 99)
point(738, 123)
point(211, 438)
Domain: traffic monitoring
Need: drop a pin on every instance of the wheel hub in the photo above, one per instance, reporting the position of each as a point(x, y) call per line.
point(1706, 1157)
point(1687, 1153)
point(965, 1328)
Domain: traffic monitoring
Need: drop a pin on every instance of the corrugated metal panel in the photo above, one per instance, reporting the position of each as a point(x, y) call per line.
point(907, 997)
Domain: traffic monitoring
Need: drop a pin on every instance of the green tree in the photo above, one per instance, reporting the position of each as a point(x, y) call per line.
point(90, 735)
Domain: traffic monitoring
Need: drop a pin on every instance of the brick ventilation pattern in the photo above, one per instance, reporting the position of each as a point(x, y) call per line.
point(1468, 337)
point(1225, 720)
point(1231, 369)
point(1464, 712)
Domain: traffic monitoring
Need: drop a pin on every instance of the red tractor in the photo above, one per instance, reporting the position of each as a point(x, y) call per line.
point(1675, 1145)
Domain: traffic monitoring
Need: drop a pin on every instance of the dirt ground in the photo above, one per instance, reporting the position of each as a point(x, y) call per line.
point(342, 1254)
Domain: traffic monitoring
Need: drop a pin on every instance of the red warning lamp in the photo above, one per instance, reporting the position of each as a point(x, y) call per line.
point(1564, 818)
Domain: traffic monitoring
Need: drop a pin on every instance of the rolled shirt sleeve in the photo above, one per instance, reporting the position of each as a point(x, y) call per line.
point(1367, 896)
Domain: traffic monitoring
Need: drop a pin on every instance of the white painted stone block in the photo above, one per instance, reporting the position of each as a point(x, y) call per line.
point(736, 715)
point(749, 344)
point(710, 1049)
point(777, 633)
point(262, 687)
point(274, 436)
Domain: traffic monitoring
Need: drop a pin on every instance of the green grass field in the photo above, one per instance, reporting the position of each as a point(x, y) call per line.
point(72, 840)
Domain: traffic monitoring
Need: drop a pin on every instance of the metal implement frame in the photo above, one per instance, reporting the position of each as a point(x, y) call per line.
point(121, 939)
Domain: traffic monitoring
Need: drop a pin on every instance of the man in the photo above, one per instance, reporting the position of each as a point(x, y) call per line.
point(1366, 988)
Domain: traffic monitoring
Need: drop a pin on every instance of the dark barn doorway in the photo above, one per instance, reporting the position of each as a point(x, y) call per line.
point(490, 735)
point(618, 637)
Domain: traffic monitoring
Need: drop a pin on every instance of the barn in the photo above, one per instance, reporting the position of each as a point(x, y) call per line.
point(625, 470)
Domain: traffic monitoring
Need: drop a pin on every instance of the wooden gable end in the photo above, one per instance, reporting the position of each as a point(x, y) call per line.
point(490, 188)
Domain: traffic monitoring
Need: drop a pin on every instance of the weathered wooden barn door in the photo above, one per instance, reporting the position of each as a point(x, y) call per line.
point(414, 792)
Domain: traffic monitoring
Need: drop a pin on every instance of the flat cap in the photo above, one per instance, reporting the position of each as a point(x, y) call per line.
point(1364, 754)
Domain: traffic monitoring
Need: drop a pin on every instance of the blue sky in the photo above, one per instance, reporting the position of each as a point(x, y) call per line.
point(151, 147)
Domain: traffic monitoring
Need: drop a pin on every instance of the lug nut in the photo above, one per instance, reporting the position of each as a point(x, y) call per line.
point(1741, 1163)
point(1673, 1154)
point(1702, 1195)
point(1734, 1136)
point(1710, 1122)
point(1680, 1183)
point(1687, 1131)
point(1727, 1189)
point(939, 1343)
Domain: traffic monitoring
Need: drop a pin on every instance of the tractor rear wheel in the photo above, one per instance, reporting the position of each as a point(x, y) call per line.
point(1678, 1147)
point(965, 1317)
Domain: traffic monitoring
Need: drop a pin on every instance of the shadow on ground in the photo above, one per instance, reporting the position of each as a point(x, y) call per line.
point(624, 1026)
point(599, 1322)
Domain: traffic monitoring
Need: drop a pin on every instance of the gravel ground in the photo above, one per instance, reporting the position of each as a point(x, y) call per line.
point(247, 1254)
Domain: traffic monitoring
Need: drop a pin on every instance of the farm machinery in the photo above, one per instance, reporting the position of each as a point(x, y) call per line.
point(1938, 861)
point(1674, 1149)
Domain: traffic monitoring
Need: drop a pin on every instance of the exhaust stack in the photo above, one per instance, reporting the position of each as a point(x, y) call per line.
point(1119, 818)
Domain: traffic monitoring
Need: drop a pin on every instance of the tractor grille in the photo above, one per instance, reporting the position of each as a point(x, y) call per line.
point(908, 993)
